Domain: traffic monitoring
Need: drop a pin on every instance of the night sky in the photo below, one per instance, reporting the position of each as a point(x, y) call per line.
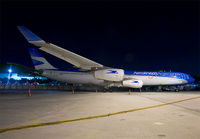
point(132, 35)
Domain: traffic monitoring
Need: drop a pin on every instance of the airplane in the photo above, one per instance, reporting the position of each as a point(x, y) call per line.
point(90, 72)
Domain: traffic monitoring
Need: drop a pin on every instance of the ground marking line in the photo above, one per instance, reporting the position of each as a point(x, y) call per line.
point(2, 130)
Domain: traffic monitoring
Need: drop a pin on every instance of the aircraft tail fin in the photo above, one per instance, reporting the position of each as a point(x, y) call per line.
point(72, 58)
point(29, 36)
point(38, 60)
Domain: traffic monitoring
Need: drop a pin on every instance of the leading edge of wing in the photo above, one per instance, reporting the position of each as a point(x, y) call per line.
point(66, 55)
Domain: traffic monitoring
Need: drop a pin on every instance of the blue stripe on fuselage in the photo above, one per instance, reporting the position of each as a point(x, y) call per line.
point(152, 73)
point(177, 75)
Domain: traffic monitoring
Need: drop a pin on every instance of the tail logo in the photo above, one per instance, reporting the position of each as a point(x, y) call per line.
point(36, 62)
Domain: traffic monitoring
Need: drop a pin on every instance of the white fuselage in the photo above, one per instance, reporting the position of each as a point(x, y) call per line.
point(88, 78)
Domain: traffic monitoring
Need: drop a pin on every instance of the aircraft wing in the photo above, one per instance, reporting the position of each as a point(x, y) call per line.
point(74, 59)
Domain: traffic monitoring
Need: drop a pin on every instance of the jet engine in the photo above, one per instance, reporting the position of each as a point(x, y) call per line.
point(132, 83)
point(109, 74)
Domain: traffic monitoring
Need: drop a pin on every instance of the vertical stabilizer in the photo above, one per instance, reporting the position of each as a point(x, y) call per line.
point(39, 61)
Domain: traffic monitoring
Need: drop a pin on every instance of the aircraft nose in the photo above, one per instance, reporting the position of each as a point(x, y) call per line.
point(191, 79)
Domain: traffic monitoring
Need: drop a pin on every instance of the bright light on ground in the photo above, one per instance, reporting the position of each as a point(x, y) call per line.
point(9, 70)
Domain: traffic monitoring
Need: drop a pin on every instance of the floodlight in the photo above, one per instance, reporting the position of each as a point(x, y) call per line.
point(9, 70)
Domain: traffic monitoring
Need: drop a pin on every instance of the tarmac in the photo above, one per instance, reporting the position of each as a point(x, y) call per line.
point(96, 115)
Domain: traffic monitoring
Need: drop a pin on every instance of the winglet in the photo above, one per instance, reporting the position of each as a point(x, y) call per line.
point(30, 36)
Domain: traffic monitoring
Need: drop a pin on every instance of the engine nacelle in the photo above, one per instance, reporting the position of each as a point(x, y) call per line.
point(133, 83)
point(109, 74)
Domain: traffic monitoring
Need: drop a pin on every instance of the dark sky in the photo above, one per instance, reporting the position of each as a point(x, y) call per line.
point(133, 35)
